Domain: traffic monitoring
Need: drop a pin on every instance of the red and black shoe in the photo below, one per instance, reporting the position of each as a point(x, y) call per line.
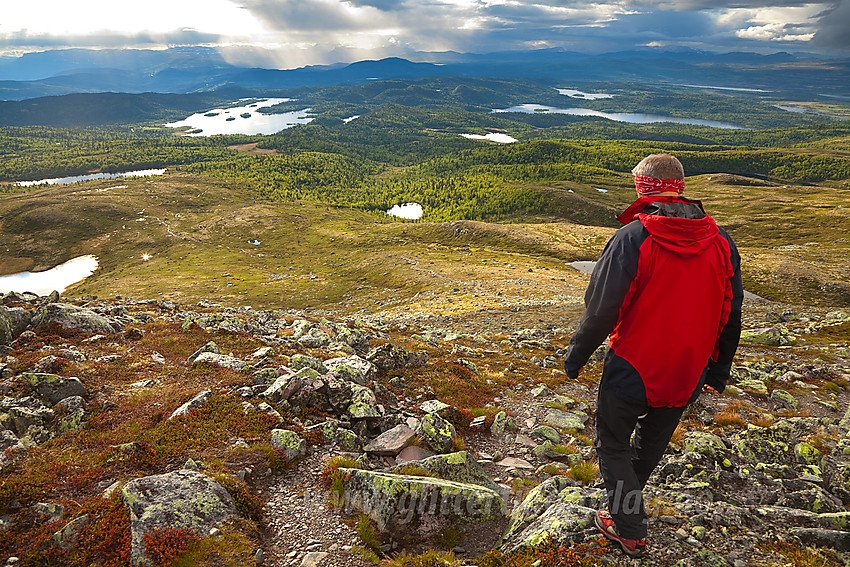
point(634, 548)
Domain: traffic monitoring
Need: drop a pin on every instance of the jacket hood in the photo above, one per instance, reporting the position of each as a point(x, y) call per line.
point(651, 202)
point(682, 236)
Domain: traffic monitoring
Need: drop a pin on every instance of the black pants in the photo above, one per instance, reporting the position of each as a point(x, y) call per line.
point(625, 461)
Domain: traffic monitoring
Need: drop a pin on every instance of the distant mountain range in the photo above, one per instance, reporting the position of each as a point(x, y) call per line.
point(202, 69)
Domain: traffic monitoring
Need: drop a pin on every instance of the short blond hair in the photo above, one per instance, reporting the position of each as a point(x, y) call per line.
point(660, 166)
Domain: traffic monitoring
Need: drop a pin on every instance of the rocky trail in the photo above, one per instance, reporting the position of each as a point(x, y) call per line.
point(233, 436)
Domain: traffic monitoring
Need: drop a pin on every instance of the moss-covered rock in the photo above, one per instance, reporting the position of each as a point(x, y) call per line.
point(704, 443)
point(418, 506)
point(565, 419)
point(784, 399)
point(775, 336)
point(363, 403)
point(180, 499)
point(70, 318)
point(807, 454)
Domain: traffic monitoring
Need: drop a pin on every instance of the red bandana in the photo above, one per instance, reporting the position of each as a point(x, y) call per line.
point(652, 185)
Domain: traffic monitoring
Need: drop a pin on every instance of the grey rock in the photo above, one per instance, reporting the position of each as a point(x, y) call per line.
point(413, 453)
point(391, 442)
point(458, 467)
point(363, 404)
point(565, 419)
point(67, 536)
point(784, 399)
point(352, 368)
point(546, 433)
point(314, 338)
point(834, 539)
point(220, 360)
point(181, 499)
point(196, 402)
point(293, 446)
point(209, 347)
point(437, 433)
point(299, 361)
point(73, 318)
point(418, 506)
point(55, 388)
point(13, 322)
point(11, 448)
point(392, 357)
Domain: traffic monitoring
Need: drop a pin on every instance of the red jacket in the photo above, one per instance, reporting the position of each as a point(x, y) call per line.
point(667, 289)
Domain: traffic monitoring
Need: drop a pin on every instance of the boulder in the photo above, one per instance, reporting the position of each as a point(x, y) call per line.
point(458, 467)
point(555, 508)
point(220, 360)
point(13, 322)
point(314, 338)
point(351, 368)
point(418, 506)
point(299, 361)
point(391, 442)
point(209, 347)
point(72, 318)
point(565, 419)
point(180, 499)
point(392, 357)
point(775, 336)
point(437, 433)
point(11, 448)
point(363, 404)
point(55, 388)
point(194, 403)
point(293, 446)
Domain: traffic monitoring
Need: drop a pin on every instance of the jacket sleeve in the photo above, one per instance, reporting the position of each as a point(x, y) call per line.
point(609, 283)
point(719, 370)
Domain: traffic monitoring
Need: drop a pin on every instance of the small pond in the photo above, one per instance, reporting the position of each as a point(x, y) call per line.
point(59, 278)
point(409, 211)
point(250, 122)
point(91, 176)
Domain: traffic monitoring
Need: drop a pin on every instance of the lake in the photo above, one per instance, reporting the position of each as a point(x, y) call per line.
point(409, 211)
point(59, 278)
point(631, 117)
point(91, 176)
point(492, 137)
point(242, 120)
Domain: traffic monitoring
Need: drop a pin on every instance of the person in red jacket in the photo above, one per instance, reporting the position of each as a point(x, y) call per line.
point(667, 289)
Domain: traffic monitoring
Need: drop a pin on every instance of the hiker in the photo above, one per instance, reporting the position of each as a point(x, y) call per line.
point(667, 289)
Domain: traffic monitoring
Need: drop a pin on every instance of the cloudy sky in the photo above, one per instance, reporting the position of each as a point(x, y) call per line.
point(292, 33)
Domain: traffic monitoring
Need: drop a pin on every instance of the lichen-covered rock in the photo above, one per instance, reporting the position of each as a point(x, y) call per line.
point(11, 448)
point(501, 422)
point(55, 388)
point(546, 433)
point(392, 357)
point(352, 368)
point(807, 454)
point(314, 338)
point(565, 419)
point(13, 322)
point(813, 499)
point(67, 536)
point(209, 347)
point(753, 385)
point(363, 404)
point(293, 446)
point(73, 318)
point(299, 361)
point(554, 508)
point(180, 499)
point(784, 399)
point(704, 443)
point(287, 384)
point(459, 467)
point(220, 360)
point(775, 336)
point(437, 433)
point(418, 506)
point(391, 442)
point(194, 403)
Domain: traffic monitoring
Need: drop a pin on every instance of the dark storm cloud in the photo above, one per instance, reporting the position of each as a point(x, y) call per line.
point(834, 29)
point(307, 15)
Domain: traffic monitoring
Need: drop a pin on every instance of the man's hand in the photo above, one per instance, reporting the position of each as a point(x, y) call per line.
point(707, 388)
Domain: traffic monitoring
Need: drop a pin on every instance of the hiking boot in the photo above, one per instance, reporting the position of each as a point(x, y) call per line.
point(634, 548)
